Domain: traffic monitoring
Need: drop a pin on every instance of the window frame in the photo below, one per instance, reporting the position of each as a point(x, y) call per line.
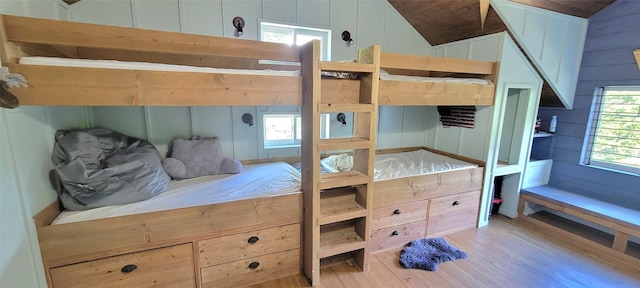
point(323, 33)
point(591, 135)
point(295, 142)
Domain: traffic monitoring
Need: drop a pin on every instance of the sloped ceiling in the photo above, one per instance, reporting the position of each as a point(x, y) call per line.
point(444, 21)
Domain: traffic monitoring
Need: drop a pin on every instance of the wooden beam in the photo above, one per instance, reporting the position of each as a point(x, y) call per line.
point(484, 10)
point(636, 53)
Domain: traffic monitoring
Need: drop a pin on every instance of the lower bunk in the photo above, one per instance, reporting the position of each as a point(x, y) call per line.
point(231, 237)
point(244, 229)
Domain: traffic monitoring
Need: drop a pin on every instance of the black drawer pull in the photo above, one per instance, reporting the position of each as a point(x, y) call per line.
point(253, 239)
point(455, 203)
point(395, 233)
point(396, 212)
point(128, 268)
point(254, 265)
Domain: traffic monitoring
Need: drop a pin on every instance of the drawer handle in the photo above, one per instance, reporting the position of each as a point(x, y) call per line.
point(396, 212)
point(455, 203)
point(253, 239)
point(128, 268)
point(395, 233)
point(254, 265)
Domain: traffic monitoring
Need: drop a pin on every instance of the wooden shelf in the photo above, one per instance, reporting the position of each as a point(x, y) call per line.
point(340, 107)
point(338, 205)
point(342, 179)
point(347, 67)
point(338, 240)
point(343, 144)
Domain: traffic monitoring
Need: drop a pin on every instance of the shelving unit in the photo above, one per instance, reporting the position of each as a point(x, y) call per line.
point(338, 206)
point(538, 168)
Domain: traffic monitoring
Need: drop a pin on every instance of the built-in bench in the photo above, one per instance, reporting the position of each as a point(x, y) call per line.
point(625, 222)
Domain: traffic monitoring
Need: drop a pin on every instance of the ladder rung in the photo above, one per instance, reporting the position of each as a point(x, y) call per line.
point(345, 107)
point(339, 241)
point(343, 144)
point(337, 205)
point(347, 67)
point(342, 179)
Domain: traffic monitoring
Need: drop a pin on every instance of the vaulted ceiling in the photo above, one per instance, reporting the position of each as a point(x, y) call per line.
point(444, 21)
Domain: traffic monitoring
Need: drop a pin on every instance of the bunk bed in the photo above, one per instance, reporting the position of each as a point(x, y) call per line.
point(177, 243)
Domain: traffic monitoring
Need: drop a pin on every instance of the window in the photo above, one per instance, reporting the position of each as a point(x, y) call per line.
point(613, 134)
point(283, 130)
point(298, 35)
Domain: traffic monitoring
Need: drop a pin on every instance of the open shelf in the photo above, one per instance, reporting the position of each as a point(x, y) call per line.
point(347, 67)
point(342, 179)
point(343, 144)
point(339, 238)
point(340, 204)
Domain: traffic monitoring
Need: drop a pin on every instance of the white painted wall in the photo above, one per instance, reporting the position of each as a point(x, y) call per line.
point(483, 141)
point(553, 41)
point(26, 134)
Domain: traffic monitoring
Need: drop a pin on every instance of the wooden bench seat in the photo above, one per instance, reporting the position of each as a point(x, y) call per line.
point(624, 221)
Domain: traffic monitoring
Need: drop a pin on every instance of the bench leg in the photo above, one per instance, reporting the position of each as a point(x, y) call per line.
point(620, 241)
point(521, 202)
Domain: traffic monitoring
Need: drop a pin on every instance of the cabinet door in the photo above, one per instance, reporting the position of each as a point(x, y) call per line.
point(165, 267)
point(453, 213)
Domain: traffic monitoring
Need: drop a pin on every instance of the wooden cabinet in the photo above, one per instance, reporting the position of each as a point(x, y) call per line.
point(168, 267)
point(453, 213)
point(250, 257)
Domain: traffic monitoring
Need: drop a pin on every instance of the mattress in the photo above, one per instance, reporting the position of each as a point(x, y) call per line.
point(114, 64)
point(400, 165)
point(256, 181)
point(434, 79)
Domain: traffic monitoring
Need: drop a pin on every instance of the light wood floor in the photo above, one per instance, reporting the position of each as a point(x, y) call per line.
point(506, 253)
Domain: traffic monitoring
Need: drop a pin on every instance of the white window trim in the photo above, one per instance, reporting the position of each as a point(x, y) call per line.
point(326, 42)
point(325, 125)
point(585, 157)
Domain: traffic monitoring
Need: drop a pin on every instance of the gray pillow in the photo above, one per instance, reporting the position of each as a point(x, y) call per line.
point(198, 157)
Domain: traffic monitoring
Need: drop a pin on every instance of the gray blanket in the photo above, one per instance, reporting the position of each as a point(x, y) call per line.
point(99, 167)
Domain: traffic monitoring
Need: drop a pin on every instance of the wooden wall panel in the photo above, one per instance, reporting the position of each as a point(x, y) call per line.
point(314, 13)
point(608, 51)
point(390, 129)
point(280, 10)
point(249, 10)
point(156, 15)
point(342, 19)
point(369, 25)
point(394, 36)
point(106, 12)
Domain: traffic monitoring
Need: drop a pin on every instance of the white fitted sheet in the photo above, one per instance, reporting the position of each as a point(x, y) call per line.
point(434, 79)
point(400, 165)
point(256, 181)
point(126, 65)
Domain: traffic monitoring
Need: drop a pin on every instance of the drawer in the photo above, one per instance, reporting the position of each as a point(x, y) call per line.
point(250, 244)
point(396, 236)
point(166, 267)
point(453, 213)
point(399, 214)
point(252, 271)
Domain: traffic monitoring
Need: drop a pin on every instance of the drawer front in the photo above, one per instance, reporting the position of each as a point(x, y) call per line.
point(396, 236)
point(252, 271)
point(250, 244)
point(166, 267)
point(453, 213)
point(399, 214)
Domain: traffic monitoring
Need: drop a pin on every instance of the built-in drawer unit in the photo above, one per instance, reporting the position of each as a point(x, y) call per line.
point(453, 213)
point(251, 257)
point(399, 214)
point(396, 236)
point(162, 267)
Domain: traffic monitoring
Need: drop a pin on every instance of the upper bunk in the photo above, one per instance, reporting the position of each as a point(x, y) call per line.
point(423, 80)
point(185, 79)
point(80, 64)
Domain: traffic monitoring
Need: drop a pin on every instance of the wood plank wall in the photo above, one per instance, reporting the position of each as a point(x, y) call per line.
point(608, 59)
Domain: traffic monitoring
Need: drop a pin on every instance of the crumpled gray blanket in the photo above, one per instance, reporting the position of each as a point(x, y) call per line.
point(427, 253)
point(99, 167)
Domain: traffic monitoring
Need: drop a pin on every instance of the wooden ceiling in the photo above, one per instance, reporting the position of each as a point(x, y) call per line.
point(444, 21)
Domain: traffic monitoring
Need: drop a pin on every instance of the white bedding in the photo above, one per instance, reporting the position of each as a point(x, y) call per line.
point(114, 64)
point(400, 165)
point(260, 180)
point(434, 79)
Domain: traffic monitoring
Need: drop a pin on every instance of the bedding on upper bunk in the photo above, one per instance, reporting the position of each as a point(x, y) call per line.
point(127, 65)
point(400, 165)
point(255, 181)
point(434, 79)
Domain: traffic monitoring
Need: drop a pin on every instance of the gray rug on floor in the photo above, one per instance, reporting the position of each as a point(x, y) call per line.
point(427, 253)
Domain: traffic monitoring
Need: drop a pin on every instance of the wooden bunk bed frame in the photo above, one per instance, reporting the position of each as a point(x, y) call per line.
point(179, 237)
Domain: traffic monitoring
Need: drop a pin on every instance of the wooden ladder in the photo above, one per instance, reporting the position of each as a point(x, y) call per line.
point(338, 206)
